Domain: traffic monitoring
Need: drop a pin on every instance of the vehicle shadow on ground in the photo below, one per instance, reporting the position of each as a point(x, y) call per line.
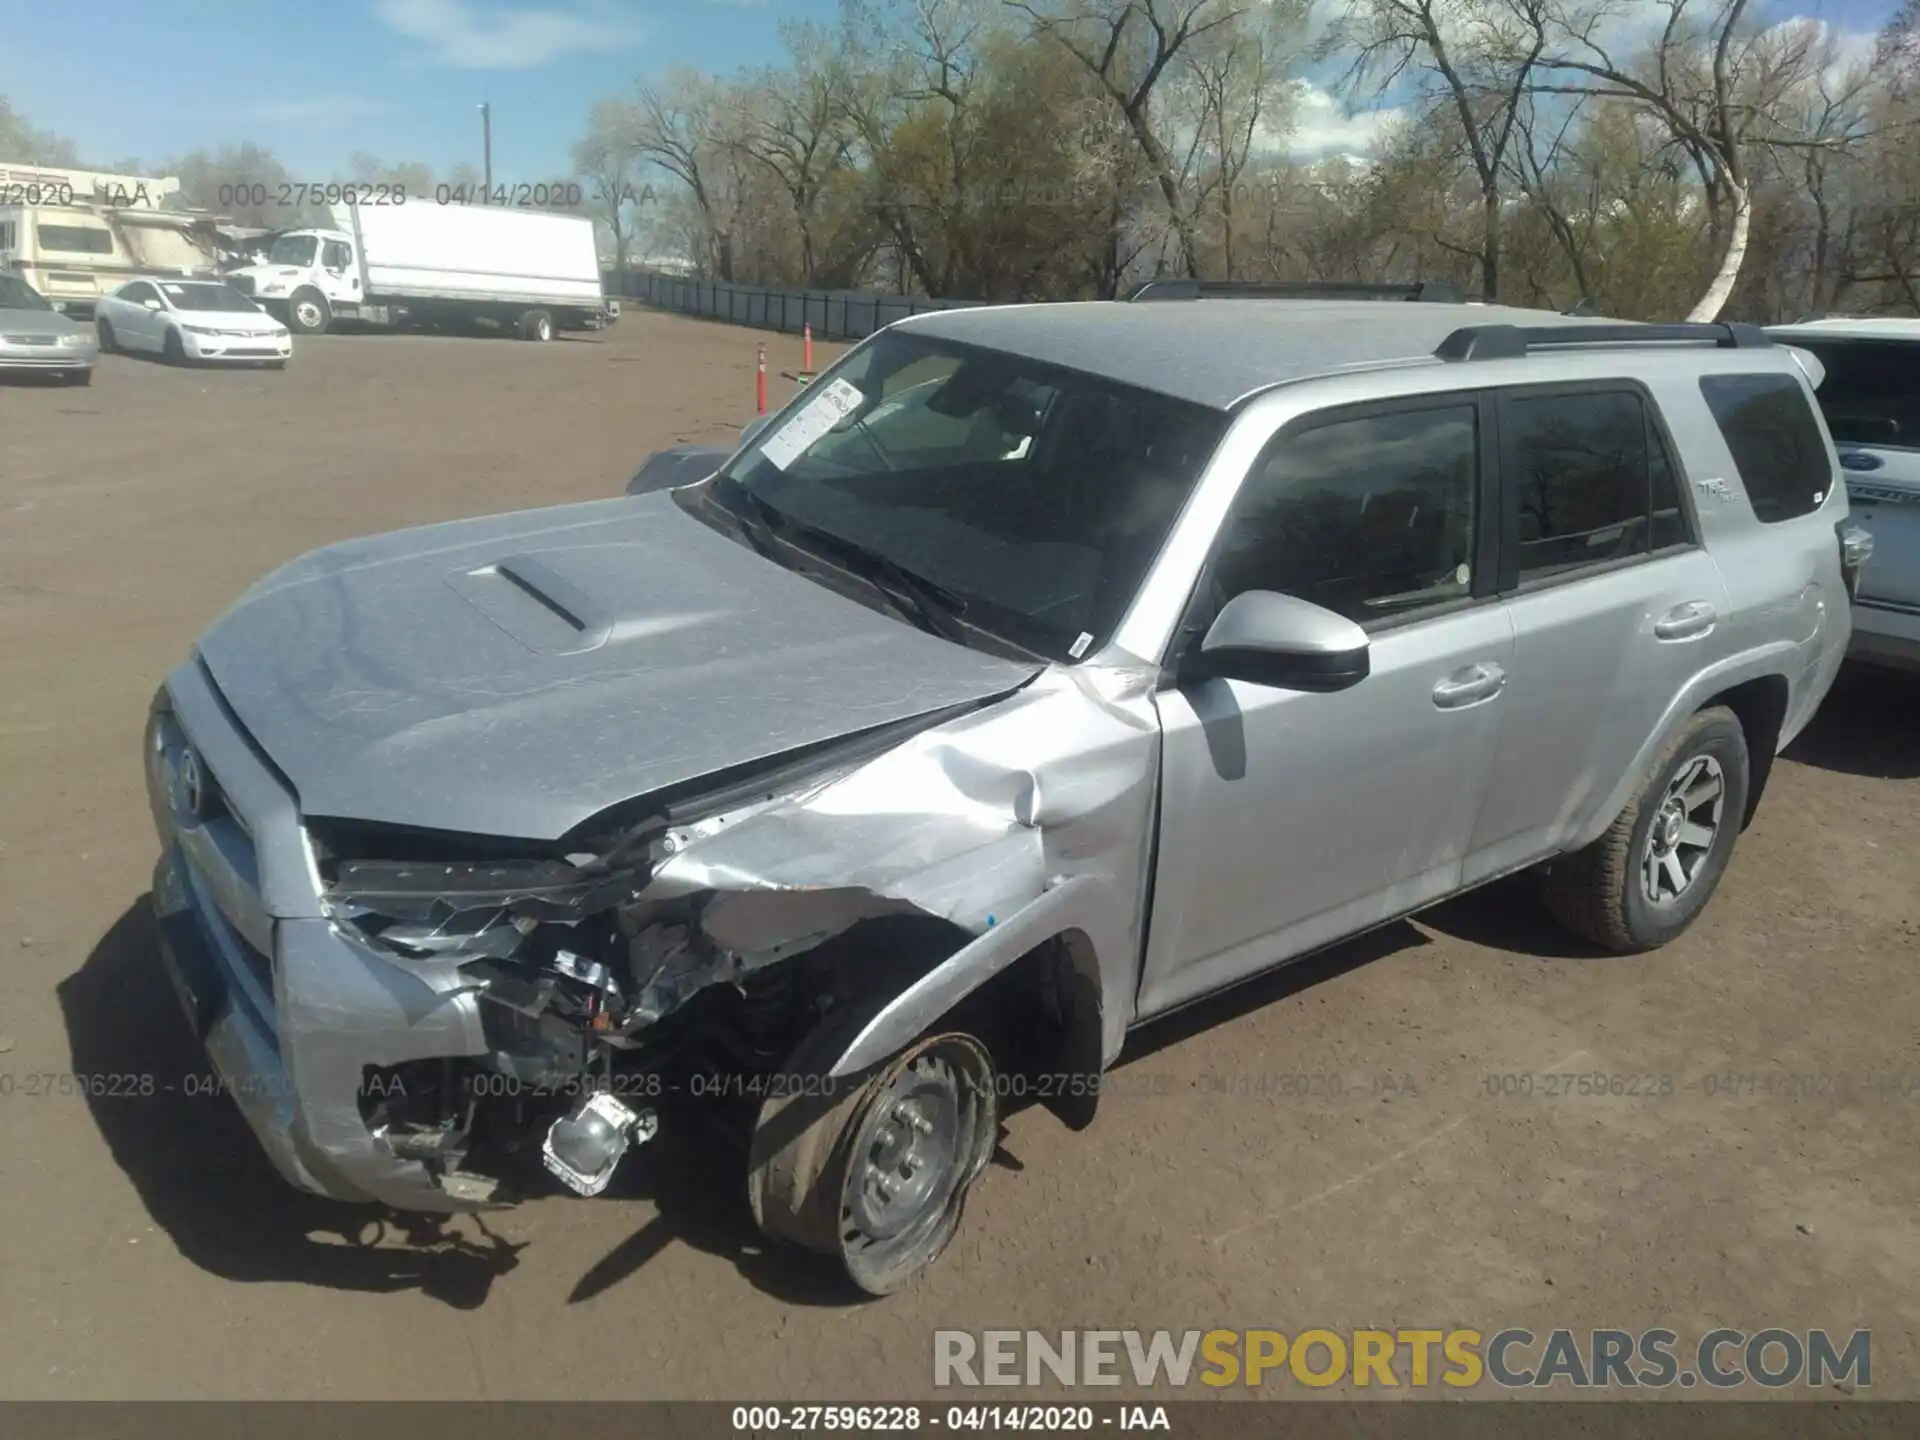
point(35, 380)
point(203, 1177)
point(346, 330)
point(694, 1177)
point(1269, 988)
point(1510, 915)
point(1869, 725)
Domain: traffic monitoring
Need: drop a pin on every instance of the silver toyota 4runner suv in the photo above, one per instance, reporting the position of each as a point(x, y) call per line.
point(1037, 671)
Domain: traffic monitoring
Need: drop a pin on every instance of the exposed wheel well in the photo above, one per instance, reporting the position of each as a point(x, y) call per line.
point(1760, 705)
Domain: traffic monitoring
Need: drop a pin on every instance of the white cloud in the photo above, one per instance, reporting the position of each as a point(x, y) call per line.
point(323, 109)
point(1323, 126)
point(471, 35)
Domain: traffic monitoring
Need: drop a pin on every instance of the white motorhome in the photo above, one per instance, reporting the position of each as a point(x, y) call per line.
point(527, 272)
point(74, 254)
point(75, 234)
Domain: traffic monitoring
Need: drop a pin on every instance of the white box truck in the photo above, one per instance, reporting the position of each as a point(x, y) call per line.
point(530, 273)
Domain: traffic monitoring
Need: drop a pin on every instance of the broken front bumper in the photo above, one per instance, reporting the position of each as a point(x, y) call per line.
point(292, 1011)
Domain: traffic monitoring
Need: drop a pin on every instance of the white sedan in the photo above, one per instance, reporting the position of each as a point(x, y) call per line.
point(190, 320)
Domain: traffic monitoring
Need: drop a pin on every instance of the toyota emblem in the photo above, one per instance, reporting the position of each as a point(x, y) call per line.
point(193, 785)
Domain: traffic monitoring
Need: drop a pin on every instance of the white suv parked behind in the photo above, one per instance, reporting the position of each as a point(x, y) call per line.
point(1871, 396)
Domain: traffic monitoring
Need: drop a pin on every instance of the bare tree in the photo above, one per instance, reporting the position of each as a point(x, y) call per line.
point(248, 183)
point(1232, 91)
point(1476, 62)
point(678, 127)
point(795, 122)
point(1128, 47)
point(609, 166)
point(1713, 79)
point(22, 144)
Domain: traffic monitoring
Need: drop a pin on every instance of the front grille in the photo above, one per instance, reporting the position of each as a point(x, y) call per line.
point(29, 339)
point(220, 859)
point(1864, 494)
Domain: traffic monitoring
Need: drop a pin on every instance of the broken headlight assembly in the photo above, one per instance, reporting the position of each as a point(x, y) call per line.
point(543, 944)
point(572, 973)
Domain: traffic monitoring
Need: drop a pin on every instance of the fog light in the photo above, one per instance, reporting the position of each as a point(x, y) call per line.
point(585, 1145)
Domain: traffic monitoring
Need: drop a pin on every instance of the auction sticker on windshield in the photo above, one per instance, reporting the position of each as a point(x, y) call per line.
point(820, 414)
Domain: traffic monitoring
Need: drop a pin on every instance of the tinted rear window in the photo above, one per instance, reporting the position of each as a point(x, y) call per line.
point(1775, 440)
point(1871, 394)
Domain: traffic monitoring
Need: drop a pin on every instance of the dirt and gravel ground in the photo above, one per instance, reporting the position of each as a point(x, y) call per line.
point(146, 1249)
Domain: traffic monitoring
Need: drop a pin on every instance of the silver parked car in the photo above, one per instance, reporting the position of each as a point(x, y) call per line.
point(1037, 671)
point(36, 337)
point(1871, 395)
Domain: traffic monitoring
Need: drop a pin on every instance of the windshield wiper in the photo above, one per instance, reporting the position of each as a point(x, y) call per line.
point(923, 602)
point(758, 520)
point(926, 603)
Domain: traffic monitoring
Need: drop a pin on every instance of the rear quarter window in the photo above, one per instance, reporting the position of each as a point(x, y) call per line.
point(1776, 442)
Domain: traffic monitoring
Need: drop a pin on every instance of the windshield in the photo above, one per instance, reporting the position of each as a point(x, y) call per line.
point(1035, 496)
point(209, 297)
point(16, 294)
point(1871, 392)
point(292, 250)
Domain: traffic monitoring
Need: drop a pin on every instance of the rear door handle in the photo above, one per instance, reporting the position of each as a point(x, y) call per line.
point(1481, 681)
point(1684, 622)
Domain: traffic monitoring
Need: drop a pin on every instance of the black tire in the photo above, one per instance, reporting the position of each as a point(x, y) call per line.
point(172, 350)
point(1603, 892)
point(308, 313)
point(108, 345)
point(536, 325)
point(276, 364)
point(818, 1151)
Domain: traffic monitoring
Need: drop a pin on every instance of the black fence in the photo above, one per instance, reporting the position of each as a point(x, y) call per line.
point(833, 314)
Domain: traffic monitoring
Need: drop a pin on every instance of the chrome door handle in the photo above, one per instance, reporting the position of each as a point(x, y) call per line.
point(1477, 682)
point(1684, 622)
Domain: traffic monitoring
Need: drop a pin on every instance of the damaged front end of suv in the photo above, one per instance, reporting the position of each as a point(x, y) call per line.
point(431, 1021)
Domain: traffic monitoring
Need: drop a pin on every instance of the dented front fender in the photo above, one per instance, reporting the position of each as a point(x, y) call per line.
point(1019, 823)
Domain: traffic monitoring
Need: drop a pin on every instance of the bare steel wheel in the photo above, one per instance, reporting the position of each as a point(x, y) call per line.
point(876, 1170)
point(1683, 831)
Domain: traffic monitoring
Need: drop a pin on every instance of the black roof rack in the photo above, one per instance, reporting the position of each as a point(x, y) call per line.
point(1511, 342)
point(1294, 290)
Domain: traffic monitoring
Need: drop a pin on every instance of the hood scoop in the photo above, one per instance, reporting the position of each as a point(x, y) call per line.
point(531, 599)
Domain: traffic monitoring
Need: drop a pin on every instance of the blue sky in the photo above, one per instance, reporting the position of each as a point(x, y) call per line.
point(315, 80)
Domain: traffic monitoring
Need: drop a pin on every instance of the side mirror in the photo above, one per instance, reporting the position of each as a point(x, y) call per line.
point(1268, 639)
point(151, 304)
point(752, 428)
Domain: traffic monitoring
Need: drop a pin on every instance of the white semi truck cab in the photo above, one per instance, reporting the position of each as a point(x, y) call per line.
point(319, 267)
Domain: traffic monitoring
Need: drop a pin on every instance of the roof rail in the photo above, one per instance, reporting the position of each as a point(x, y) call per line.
point(1293, 290)
point(1511, 342)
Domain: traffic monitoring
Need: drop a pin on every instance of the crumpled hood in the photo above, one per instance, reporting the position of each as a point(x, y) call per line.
point(515, 675)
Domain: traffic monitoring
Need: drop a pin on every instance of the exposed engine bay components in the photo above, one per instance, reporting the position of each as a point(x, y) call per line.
point(585, 1145)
